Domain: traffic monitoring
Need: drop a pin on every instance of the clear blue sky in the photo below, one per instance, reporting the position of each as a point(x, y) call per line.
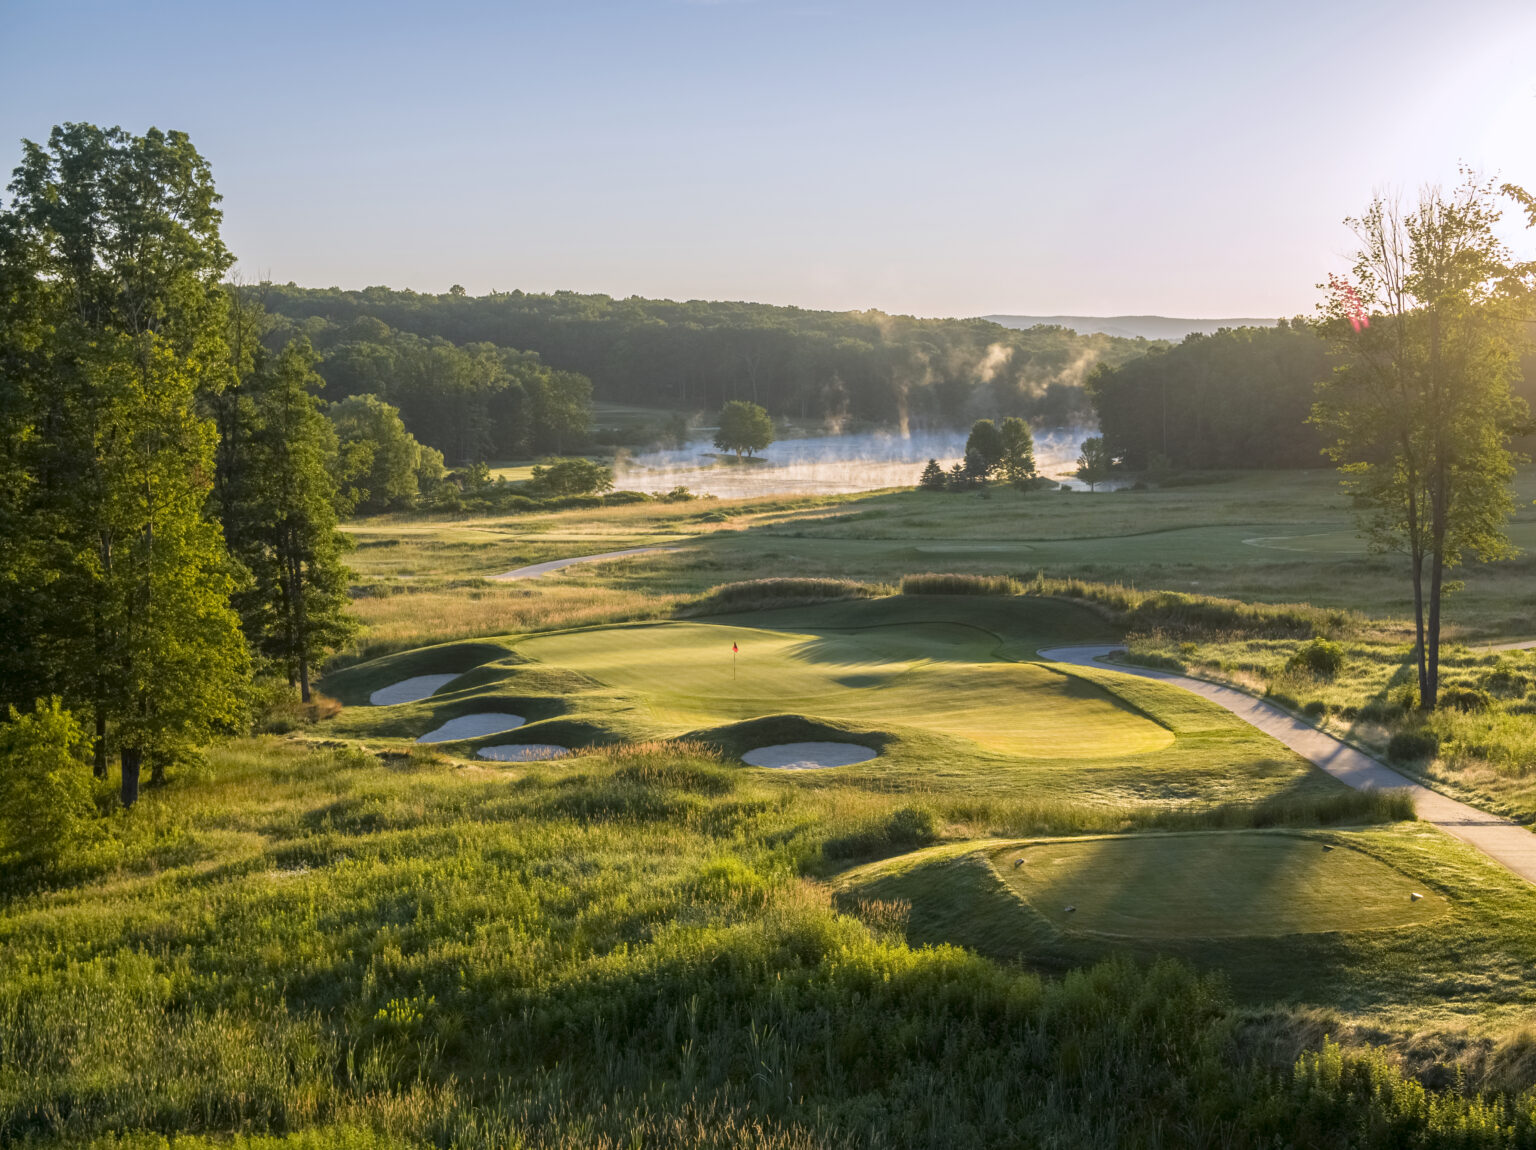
point(943, 158)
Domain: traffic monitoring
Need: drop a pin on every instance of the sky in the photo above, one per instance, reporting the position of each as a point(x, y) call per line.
point(953, 158)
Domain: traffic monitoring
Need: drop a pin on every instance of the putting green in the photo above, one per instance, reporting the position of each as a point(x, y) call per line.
point(1222, 885)
point(939, 676)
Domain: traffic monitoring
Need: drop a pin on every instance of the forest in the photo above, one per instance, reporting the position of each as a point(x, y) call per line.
point(849, 369)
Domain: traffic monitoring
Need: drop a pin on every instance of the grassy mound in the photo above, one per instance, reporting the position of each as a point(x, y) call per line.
point(1223, 885)
point(352, 685)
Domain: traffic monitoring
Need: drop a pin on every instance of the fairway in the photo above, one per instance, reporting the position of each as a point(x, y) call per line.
point(1212, 885)
point(939, 676)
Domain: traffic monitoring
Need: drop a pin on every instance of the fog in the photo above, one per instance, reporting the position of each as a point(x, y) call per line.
point(825, 464)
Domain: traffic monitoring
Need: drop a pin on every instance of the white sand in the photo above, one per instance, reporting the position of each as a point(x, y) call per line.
point(410, 690)
point(808, 756)
point(473, 726)
point(523, 752)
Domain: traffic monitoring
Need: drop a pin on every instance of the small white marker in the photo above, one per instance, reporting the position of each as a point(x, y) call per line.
point(1414, 896)
point(1070, 909)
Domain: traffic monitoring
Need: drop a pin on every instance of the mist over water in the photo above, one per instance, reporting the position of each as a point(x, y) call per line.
point(824, 465)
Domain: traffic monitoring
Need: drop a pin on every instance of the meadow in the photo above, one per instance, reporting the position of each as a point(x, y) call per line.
point(342, 937)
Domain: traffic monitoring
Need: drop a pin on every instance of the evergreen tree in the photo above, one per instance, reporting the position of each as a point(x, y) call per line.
point(933, 477)
point(279, 505)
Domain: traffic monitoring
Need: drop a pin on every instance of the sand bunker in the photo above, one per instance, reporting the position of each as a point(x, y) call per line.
point(523, 752)
point(410, 690)
point(808, 756)
point(473, 726)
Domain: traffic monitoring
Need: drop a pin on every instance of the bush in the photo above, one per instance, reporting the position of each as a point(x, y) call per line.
point(565, 477)
point(903, 830)
point(947, 584)
point(45, 784)
point(1505, 684)
point(1468, 699)
point(1319, 658)
point(1315, 709)
point(1413, 746)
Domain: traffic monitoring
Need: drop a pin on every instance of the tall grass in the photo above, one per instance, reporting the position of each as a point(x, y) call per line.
point(311, 950)
point(937, 583)
point(766, 594)
point(1184, 615)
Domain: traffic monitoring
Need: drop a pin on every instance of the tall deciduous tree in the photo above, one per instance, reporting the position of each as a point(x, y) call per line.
point(1420, 412)
point(985, 442)
point(122, 327)
point(1093, 462)
point(1018, 460)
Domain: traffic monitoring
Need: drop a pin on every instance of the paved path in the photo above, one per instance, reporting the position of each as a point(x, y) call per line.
point(1523, 645)
point(1498, 838)
point(537, 569)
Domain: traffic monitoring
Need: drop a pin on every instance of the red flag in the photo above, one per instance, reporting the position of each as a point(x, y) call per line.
point(733, 648)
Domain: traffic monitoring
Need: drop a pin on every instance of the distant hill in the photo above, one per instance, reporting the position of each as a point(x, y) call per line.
point(1130, 326)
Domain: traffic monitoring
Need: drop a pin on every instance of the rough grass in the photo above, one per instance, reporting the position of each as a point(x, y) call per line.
point(770, 594)
point(935, 583)
point(322, 949)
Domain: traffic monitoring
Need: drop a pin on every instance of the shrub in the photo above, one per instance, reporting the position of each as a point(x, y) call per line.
point(902, 830)
point(1319, 658)
point(954, 584)
point(1413, 746)
point(45, 784)
point(566, 477)
point(1406, 697)
point(1315, 709)
point(1505, 684)
point(1462, 698)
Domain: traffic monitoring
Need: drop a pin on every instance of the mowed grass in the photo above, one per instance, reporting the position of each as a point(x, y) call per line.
point(941, 677)
point(1212, 885)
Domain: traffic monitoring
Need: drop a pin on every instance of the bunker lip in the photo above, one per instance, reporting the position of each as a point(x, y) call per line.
point(523, 752)
point(411, 690)
point(473, 727)
point(808, 756)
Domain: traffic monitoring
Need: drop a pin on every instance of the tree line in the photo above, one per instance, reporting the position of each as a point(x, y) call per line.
point(865, 367)
point(170, 485)
point(470, 403)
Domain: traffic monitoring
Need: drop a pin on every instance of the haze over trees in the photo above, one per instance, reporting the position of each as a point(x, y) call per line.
point(1420, 413)
point(1237, 399)
point(865, 367)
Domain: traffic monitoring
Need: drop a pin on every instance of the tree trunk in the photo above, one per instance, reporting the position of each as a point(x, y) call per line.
point(1430, 695)
point(100, 766)
point(132, 757)
point(1419, 650)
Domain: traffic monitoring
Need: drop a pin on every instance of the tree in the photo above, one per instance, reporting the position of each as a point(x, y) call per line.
point(380, 455)
point(744, 427)
point(45, 783)
point(571, 477)
point(279, 505)
point(985, 443)
point(124, 328)
point(1420, 414)
point(1093, 462)
point(932, 478)
point(1017, 462)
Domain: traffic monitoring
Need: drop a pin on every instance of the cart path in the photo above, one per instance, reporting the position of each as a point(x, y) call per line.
point(537, 569)
point(1503, 841)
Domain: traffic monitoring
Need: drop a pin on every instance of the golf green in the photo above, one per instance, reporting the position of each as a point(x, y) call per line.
point(939, 676)
point(1212, 885)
